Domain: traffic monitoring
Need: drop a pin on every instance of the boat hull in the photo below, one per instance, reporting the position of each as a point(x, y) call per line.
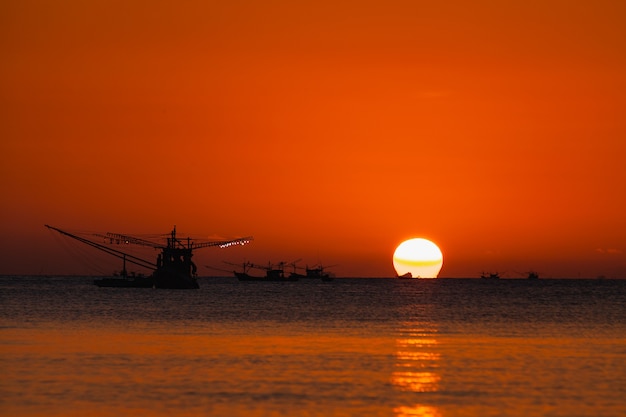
point(245, 277)
point(142, 282)
point(174, 280)
point(157, 280)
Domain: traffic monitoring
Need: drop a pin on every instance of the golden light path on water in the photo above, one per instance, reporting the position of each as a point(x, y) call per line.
point(417, 258)
point(417, 369)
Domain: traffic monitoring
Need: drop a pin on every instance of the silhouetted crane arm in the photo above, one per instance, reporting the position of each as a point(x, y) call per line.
point(224, 243)
point(119, 254)
point(120, 238)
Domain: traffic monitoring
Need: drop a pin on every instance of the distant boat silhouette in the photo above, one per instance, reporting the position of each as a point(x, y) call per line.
point(272, 274)
point(490, 276)
point(408, 275)
point(316, 272)
point(126, 281)
point(532, 275)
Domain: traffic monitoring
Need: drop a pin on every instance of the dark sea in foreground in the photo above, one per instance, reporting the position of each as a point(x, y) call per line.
point(350, 347)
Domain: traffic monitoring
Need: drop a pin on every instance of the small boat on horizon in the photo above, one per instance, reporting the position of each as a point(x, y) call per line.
point(316, 272)
point(495, 275)
point(272, 274)
point(124, 280)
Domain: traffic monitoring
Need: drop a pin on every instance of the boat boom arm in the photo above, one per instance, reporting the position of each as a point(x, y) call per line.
point(130, 239)
point(119, 254)
point(224, 243)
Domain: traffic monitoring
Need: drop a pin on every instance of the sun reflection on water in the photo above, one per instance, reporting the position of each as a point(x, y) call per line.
point(416, 363)
point(417, 411)
point(416, 368)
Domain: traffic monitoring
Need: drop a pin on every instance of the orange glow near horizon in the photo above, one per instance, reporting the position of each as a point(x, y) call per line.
point(327, 131)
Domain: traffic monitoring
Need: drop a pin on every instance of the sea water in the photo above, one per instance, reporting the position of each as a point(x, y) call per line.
point(349, 347)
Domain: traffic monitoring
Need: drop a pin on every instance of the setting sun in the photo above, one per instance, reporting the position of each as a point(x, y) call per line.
point(418, 258)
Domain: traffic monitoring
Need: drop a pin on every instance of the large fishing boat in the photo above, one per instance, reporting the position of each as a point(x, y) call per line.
point(173, 268)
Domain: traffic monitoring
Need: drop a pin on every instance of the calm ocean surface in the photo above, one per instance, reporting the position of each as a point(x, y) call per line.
point(350, 347)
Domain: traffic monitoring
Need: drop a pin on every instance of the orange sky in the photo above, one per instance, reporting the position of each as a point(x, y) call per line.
point(328, 130)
